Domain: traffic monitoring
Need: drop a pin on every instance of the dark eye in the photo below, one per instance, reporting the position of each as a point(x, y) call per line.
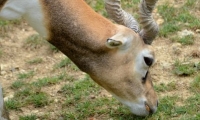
point(145, 77)
point(148, 61)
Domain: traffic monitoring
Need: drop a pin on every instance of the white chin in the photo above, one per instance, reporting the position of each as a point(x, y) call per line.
point(137, 107)
point(139, 111)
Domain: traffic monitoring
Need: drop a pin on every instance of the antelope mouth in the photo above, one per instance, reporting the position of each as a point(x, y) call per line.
point(149, 109)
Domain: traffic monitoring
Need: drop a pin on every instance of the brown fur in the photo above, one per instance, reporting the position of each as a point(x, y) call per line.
point(81, 34)
point(73, 28)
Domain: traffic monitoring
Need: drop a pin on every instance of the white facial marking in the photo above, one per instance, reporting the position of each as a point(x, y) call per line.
point(31, 10)
point(137, 107)
point(141, 66)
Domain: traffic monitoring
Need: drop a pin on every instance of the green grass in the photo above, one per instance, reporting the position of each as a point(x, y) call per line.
point(26, 75)
point(1, 53)
point(186, 40)
point(4, 23)
point(39, 99)
point(129, 5)
point(81, 99)
point(6, 26)
point(168, 28)
point(27, 96)
point(46, 81)
point(34, 41)
point(98, 6)
point(66, 62)
point(184, 68)
point(28, 117)
point(195, 85)
point(17, 84)
point(177, 18)
point(77, 102)
point(79, 105)
point(53, 48)
point(190, 110)
point(30, 93)
point(12, 104)
point(162, 87)
point(35, 61)
point(190, 3)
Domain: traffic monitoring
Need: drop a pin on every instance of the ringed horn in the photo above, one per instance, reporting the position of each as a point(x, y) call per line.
point(150, 27)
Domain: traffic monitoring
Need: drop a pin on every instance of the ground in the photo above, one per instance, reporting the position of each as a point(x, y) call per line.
point(17, 58)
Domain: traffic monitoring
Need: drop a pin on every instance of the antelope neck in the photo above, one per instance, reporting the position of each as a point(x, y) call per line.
point(78, 32)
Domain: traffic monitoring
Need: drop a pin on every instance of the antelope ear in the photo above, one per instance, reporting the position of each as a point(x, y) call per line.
point(119, 41)
point(111, 43)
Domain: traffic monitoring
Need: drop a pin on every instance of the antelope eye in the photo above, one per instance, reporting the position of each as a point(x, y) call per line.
point(145, 77)
point(149, 61)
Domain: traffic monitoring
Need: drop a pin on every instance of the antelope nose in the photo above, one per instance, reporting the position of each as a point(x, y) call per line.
point(149, 109)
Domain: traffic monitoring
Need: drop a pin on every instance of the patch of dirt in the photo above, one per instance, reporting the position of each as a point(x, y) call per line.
point(15, 57)
point(14, 61)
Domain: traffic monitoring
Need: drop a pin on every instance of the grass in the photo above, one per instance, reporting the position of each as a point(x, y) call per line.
point(1, 53)
point(66, 62)
point(25, 75)
point(30, 93)
point(12, 104)
point(6, 26)
point(195, 85)
point(186, 40)
point(34, 41)
point(191, 110)
point(162, 87)
point(46, 81)
point(80, 105)
point(185, 68)
point(129, 5)
point(53, 48)
point(27, 96)
point(81, 99)
point(98, 6)
point(177, 18)
point(17, 84)
point(175, 107)
point(28, 117)
point(35, 61)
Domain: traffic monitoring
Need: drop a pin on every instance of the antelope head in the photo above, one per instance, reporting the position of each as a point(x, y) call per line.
point(133, 85)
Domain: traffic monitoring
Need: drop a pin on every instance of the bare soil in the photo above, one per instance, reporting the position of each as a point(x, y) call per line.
point(15, 56)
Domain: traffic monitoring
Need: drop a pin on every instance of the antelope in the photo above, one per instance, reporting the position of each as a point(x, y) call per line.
point(117, 56)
